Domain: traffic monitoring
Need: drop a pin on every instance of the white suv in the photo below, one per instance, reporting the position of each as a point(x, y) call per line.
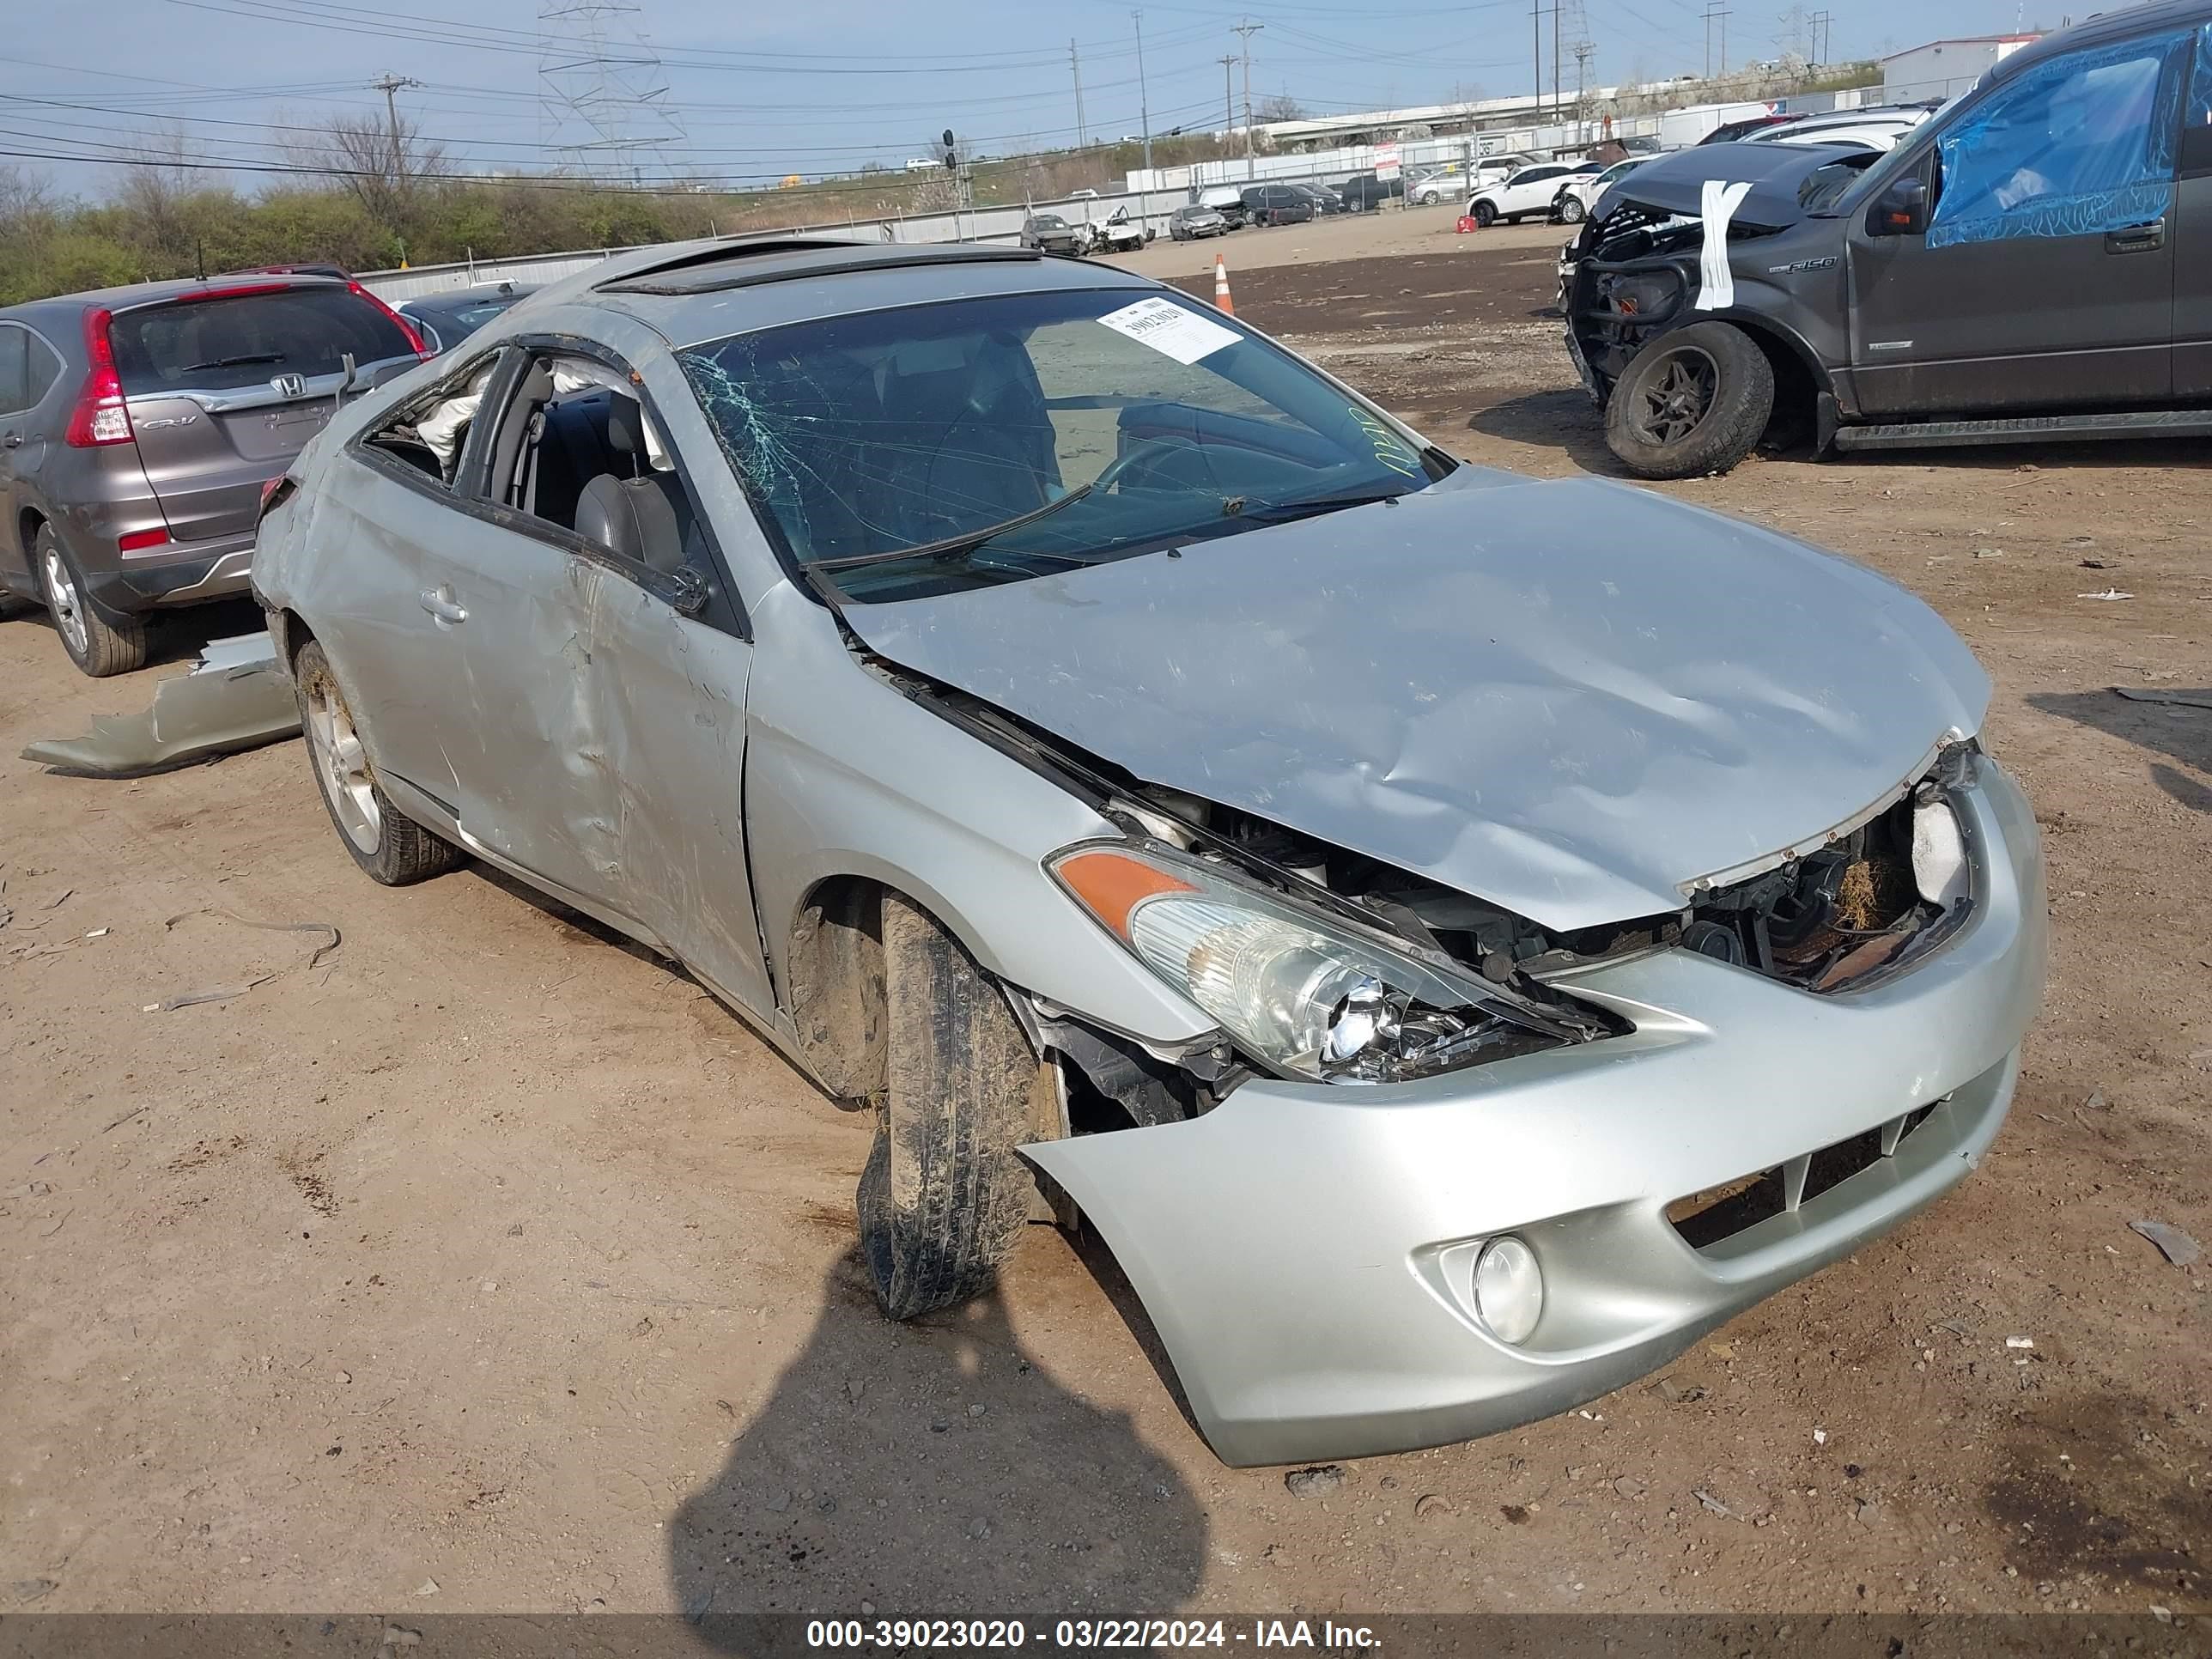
point(1529, 190)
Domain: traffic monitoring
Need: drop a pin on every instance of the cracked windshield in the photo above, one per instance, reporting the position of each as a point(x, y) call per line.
point(930, 448)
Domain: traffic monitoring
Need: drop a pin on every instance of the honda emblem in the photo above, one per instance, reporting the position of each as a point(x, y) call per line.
point(290, 385)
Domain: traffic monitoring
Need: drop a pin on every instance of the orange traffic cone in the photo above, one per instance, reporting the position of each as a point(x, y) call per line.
point(1221, 286)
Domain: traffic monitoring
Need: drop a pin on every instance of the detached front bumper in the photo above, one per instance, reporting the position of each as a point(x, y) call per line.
point(1304, 1250)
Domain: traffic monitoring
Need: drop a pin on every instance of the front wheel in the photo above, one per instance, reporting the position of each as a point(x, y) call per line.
point(391, 848)
point(1692, 403)
point(1571, 210)
point(944, 1195)
point(1485, 215)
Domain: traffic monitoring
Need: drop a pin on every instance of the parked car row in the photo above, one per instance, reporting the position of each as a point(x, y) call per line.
point(1052, 233)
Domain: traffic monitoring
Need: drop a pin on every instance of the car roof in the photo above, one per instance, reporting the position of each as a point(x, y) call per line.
point(459, 298)
point(141, 294)
point(2153, 19)
point(710, 291)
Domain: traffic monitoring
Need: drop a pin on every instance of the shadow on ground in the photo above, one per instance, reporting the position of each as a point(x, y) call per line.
point(931, 1466)
point(2181, 731)
point(1563, 419)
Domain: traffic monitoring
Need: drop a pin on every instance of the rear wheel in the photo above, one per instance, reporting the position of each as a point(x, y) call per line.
point(391, 848)
point(943, 1195)
point(98, 646)
point(1692, 403)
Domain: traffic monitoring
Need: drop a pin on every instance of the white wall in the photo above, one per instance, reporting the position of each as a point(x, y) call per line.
point(1943, 68)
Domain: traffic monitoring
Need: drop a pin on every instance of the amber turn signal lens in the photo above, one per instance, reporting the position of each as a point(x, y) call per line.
point(1111, 886)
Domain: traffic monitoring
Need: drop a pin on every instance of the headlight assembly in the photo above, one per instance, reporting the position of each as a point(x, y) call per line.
point(1303, 993)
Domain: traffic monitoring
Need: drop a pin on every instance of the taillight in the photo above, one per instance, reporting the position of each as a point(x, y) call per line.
point(414, 340)
point(275, 491)
point(102, 415)
point(138, 540)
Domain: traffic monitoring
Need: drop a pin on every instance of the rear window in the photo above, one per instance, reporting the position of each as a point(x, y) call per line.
point(226, 344)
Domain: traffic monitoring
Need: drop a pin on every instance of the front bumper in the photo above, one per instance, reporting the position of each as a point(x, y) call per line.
point(1301, 1249)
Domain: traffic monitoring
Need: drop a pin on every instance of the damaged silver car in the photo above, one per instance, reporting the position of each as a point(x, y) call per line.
point(1451, 961)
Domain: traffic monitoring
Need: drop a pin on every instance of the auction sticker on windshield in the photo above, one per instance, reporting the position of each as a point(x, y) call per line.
point(1168, 329)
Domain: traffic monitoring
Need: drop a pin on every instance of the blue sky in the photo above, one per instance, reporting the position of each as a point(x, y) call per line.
point(822, 86)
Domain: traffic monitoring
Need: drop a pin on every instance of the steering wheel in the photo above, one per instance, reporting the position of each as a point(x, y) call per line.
point(1111, 474)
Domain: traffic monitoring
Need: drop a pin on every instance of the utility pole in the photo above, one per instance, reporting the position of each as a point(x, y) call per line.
point(389, 87)
point(1536, 36)
point(1143, 98)
point(1248, 30)
point(1716, 13)
point(1228, 100)
point(1583, 52)
point(1555, 60)
point(1075, 66)
point(1820, 22)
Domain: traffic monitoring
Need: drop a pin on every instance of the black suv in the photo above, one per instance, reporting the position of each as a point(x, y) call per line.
point(1364, 193)
point(2035, 262)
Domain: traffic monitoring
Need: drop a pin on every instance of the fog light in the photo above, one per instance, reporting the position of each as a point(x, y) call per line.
point(1508, 1290)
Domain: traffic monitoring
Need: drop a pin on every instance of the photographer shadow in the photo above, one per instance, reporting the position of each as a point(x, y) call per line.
point(930, 1469)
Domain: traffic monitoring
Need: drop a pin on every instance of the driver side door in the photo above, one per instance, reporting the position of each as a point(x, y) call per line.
point(603, 750)
point(2044, 277)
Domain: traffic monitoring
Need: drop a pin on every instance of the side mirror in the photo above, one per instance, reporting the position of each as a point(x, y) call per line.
point(683, 590)
point(1899, 210)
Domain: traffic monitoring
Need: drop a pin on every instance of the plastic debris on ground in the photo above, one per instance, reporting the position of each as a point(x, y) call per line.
point(235, 698)
point(2173, 1244)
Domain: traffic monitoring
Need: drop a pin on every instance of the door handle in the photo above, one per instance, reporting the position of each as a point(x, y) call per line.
point(2136, 239)
point(12, 440)
point(441, 603)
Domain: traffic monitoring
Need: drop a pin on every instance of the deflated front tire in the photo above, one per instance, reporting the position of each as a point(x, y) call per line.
point(943, 1195)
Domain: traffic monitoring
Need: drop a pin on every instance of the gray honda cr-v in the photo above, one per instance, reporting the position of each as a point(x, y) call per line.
point(138, 426)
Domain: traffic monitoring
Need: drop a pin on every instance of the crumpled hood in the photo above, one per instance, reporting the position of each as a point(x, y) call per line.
point(1571, 699)
point(1675, 184)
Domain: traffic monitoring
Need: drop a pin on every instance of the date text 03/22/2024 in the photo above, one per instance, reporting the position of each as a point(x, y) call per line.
point(906, 1634)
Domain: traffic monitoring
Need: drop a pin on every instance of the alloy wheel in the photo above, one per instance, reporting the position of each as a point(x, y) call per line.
point(342, 765)
point(1674, 401)
point(68, 609)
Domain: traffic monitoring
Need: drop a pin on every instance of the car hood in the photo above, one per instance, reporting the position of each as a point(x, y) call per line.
point(1571, 699)
point(1675, 184)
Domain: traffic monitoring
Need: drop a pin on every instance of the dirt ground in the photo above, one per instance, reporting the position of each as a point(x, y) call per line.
point(486, 1264)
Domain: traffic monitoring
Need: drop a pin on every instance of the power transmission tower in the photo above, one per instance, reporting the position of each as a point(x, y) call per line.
point(1075, 66)
point(390, 86)
point(1247, 30)
point(1716, 13)
point(1821, 22)
point(603, 96)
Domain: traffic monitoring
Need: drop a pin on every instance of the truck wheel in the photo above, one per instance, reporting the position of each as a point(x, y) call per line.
point(96, 644)
point(943, 1195)
point(1485, 215)
point(391, 848)
point(1692, 403)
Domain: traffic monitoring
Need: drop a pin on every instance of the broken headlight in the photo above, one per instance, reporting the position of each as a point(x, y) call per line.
point(1303, 993)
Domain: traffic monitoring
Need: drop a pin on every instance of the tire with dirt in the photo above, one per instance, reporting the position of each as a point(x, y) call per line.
point(1692, 403)
point(1485, 215)
point(944, 1196)
point(390, 847)
point(96, 643)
